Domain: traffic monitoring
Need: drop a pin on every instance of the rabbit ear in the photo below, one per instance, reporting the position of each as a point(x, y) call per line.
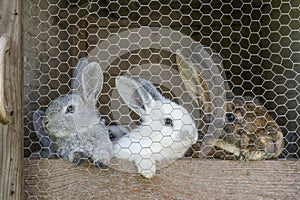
point(192, 81)
point(76, 80)
point(203, 76)
point(150, 88)
point(134, 94)
point(210, 62)
point(43, 137)
point(88, 80)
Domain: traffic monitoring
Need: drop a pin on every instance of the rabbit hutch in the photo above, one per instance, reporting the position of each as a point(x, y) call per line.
point(229, 69)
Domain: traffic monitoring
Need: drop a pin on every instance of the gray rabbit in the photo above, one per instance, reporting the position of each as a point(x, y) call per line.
point(73, 121)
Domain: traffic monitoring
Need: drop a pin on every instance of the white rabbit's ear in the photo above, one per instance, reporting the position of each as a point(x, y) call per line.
point(150, 88)
point(134, 94)
point(88, 80)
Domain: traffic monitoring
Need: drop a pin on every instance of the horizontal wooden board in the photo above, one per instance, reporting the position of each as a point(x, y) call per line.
point(184, 179)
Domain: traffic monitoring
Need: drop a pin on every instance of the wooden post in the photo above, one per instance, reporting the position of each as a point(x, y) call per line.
point(11, 134)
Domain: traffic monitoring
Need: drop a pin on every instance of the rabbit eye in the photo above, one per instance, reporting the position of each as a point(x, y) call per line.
point(169, 122)
point(230, 117)
point(70, 109)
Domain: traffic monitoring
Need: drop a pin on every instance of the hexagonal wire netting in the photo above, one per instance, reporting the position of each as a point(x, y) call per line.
point(192, 51)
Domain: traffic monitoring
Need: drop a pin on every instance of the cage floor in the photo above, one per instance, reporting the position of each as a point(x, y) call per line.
point(185, 179)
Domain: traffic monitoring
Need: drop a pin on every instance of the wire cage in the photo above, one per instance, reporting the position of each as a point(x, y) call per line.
point(246, 53)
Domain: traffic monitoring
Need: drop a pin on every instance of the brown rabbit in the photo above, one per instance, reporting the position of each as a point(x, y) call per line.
point(248, 132)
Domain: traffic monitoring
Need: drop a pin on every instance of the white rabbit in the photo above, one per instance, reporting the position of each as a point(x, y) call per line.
point(73, 120)
point(166, 132)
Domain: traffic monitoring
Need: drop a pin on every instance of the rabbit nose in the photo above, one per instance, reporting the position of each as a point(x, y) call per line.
point(274, 140)
point(272, 147)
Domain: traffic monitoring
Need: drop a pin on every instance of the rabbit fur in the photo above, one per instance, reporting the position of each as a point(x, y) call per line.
point(47, 150)
point(166, 132)
point(73, 120)
point(249, 133)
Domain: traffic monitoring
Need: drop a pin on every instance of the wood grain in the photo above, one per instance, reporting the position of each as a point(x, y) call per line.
point(11, 135)
point(185, 179)
point(4, 47)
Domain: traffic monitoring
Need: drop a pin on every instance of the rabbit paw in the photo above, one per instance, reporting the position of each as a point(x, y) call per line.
point(256, 155)
point(77, 158)
point(101, 165)
point(146, 167)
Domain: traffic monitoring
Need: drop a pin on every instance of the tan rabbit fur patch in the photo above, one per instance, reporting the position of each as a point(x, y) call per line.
point(249, 132)
point(253, 135)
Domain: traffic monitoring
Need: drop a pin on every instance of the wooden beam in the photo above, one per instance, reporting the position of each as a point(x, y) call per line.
point(184, 179)
point(11, 135)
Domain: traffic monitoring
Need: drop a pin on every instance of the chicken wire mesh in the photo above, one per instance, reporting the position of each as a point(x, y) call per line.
point(231, 66)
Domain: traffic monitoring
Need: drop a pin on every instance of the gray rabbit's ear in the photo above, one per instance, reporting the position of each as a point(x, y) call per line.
point(88, 81)
point(134, 94)
point(40, 133)
point(78, 72)
point(92, 82)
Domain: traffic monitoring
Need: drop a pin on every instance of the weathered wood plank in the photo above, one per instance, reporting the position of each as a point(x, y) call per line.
point(185, 179)
point(11, 135)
